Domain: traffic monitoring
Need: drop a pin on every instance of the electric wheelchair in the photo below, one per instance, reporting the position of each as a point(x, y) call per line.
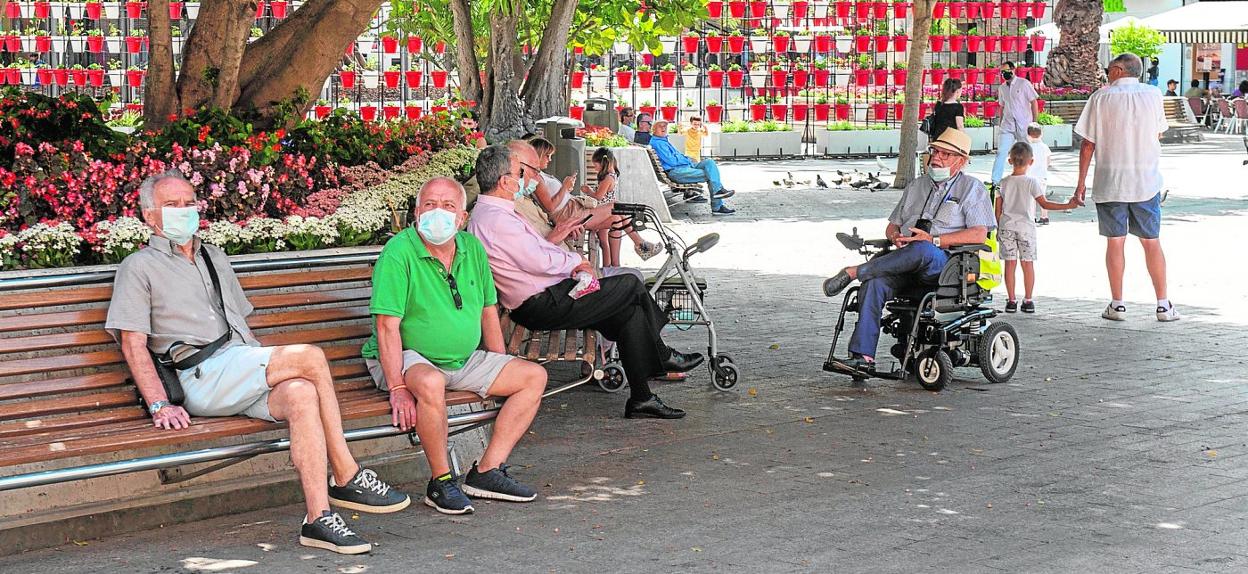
point(937, 328)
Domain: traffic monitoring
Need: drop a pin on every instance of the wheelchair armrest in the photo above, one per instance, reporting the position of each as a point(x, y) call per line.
point(969, 248)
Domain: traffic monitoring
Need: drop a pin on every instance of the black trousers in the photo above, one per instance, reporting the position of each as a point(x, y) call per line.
point(621, 310)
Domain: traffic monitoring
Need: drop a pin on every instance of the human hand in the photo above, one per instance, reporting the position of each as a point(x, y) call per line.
point(171, 418)
point(566, 228)
point(569, 182)
point(585, 189)
point(1081, 191)
point(402, 409)
point(916, 235)
point(584, 267)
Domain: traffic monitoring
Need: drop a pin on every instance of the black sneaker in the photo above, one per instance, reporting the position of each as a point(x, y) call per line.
point(444, 495)
point(723, 210)
point(723, 194)
point(496, 484)
point(330, 532)
point(695, 199)
point(1029, 306)
point(1011, 306)
point(367, 493)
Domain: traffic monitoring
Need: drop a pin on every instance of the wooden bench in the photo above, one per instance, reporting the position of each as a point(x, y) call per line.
point(65, 391)
point(679, 192)
point(1183, 125)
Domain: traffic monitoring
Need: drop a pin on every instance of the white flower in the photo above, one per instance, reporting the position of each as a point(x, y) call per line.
point(221, 233)
point(324, 229)
point(122, 235)
point(43, 237)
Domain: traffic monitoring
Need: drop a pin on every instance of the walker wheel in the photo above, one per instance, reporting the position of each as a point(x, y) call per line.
point(613, 379)
point(725, 373)
point(934, 369)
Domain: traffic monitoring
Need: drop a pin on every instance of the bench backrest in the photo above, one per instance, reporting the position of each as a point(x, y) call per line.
point(59, 369)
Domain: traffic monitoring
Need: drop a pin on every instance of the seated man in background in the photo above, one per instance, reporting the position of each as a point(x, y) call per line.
point(942, 208)
point(179, 302)
point(627, 117)
point(642, 135)
point(684, 170)
point(435, 304)
point(548, 288)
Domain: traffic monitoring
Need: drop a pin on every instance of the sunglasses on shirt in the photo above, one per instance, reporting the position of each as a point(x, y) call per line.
point(459, 301)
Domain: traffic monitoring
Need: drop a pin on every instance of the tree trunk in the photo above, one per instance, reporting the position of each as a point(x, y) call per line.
point(1073, 63)
point(504, 115)
point(470, 87)
point(908, 148)
point(160, 95)
point(212, 54)
point(291, 62)
point(544, 92)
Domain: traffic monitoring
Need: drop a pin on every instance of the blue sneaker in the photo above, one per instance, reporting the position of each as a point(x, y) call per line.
point(443, 495)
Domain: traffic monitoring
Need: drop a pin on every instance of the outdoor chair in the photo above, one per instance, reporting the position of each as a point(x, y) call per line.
point(1241, 115)
point(1198, 109)
point(1225, 116)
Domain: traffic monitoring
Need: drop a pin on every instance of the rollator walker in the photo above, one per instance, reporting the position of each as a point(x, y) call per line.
point(937, 328)
point(678, 292)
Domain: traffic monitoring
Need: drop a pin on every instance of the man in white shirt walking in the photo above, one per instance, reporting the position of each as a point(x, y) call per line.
point(1019, 107)
point(1121, 127)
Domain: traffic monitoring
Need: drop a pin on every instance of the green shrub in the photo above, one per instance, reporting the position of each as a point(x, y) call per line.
point(973, 122)
point(1046, 119)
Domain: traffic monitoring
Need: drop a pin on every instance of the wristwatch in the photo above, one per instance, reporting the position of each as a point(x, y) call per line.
point(936, 241)
point(156, 406)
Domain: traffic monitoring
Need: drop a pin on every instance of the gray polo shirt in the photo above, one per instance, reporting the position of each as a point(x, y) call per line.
point(957, 204)
point(159, 292)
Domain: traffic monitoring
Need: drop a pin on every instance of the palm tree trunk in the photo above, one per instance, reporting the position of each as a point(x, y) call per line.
point(1073, 63)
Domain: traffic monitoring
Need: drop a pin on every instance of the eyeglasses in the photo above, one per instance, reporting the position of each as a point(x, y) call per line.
point(933, 151)
point(459, 301)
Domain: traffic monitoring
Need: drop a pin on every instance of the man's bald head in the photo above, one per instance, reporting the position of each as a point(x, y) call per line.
point(442, 185)
point(523, 151)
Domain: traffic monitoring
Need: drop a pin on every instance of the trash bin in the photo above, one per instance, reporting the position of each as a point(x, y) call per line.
point(600, 112)
point(569, 149)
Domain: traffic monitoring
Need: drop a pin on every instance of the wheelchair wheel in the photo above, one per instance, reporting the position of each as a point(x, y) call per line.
point(613, 379)
point(998, 352)
point(933, 369)
point(724, 373)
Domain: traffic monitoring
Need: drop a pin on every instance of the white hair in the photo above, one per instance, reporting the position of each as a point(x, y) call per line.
point(463, 194)
point(147, 189)
point(1131, 64)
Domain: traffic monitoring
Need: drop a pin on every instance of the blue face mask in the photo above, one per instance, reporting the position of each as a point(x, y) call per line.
point(179, 224)
point(437, 226)
point(939, 174)
point(527, 187)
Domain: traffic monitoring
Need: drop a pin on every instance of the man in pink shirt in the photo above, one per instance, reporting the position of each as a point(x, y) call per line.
point(535, 279)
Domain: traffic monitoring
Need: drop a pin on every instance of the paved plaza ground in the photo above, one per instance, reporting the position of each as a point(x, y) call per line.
point(1118, 447)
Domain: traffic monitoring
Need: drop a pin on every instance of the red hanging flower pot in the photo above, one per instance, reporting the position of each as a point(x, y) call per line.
point(714, 114)
point(822, 112)
point(390, 112)
point(973, 10)
point(758, 9)
point(1007, 43)
point(736, 8)
point(758, 112)
point(175, 10)
point(94, 10)
point(862, 77)
point(987, 9)
point(899, 77)
point(992, 75)
point(842, 9)
point(1040, 105)
point(779, 112)
point(437, 109)
point(321, 112)
point(134, 77)
point(779, 78)
point(391, 77)
point(973, 43)
point(823, 78)
point(43, 9)
point(134, 10)
point(62, 76)
point(43, 43)
point(279, 8)
point(939, 9)
point(348, 78)
point(578, 80)
point(389, 44)
point(798, 10)
point(645, 79)
point(413, 112)
point(937, 42)
point(412, 78)
point(990, 109)
point(823, 43)
point(842, 112)
point(1037, 43)
point(96, 78)
point(439, 48)
point(955, 73)
point(369, 113)
point(95, 44)
point(971, 108)
point(898, 111)
point(1007, 9)
point(1037, 9)
point(800, 78)
point(413, 43)
point(862, 43)
point(134, 45)
point(439, 79)
point(43, 76)
point(690, 44)
point(736, 44)
point(862, 10)
point(879, 10)
point(879, 77)
point(800, 112)
point(781, 44)
point(956, 43)
point(972, 75)
point(669, 113)
point(716, 78)
point(651, 110)
point(901, 9)
point(714, 44)
point(901, 43)
point(881, 43)
point(957, 9)
point(13, 10)
point(715, 9)
point(623, 80)
point(937, 76)
point(736, 78)
point(260, 9)
point(990, 43)
point(576, 112)
point(668, 78)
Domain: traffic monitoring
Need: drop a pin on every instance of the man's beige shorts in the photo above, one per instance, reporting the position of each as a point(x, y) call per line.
point(477, 374)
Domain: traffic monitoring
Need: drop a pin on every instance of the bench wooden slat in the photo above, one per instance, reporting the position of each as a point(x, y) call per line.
point(52, 297)
point(278, 300)
point(63, 385)
point(569, 345)
point(318, 336)
point(63, 404)
point(306, 316)
point(51, 320)
point(318, 277)
point(60, 362)
point(54, 341)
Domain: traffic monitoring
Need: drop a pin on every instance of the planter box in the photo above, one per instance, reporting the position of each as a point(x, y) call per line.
point(857, 142)
point(1059, 136)
point(751, 144)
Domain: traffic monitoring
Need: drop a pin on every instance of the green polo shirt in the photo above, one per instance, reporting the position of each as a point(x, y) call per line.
point(411, 284)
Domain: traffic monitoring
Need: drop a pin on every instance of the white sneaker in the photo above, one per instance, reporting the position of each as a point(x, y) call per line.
point(647, 250)
point(1118, 313)
point(1166, 315)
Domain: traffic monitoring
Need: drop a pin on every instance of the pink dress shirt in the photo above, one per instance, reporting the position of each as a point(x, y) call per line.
point(524, 263)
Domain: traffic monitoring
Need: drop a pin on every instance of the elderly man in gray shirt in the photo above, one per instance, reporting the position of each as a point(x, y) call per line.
point(179, 302)
point(941, 209)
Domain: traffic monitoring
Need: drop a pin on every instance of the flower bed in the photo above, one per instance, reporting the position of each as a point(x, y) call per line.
point(70, 195)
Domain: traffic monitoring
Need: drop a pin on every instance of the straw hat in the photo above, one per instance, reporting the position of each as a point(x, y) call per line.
point(954, 140)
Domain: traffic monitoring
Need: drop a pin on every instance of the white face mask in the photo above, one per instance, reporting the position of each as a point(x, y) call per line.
point(179, 224)
point(939, 174)
point(437, 226)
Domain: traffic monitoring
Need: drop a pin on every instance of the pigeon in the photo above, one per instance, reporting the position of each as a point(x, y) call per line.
point(883, 167)
point(819, 181)
point(879, 185)
point(775, 183)
point(788, 180)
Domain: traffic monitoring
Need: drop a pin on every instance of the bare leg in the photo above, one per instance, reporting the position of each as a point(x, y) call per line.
point(604, 243)
point(1155, 258)
point(429, 386)
point(1029, 279)
point(522, 383)
point(295, 401)
point(1009, 278)
point(615, 250)
point(307, 363)
point(1116, 265)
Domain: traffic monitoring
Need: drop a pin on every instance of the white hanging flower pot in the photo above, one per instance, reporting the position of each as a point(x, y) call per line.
point(758, 79)
point(192, 10)
point(689, 79)
point(621, 48)
point(113, 44)
point(844, 43)
point(28, 76)
point(669, 45)
point(77, 43)
point(371, 80)
point(28, 43)
point(366, 46)
point(801, 44)
point(112, 10)
point(781, 10)
point(759, 46)
point(820, 9)
point(58, 43)
point(115, 77)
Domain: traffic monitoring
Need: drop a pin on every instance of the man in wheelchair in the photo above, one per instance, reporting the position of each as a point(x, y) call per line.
point(940, 210)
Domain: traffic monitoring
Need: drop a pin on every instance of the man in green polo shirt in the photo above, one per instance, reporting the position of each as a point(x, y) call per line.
point(437, 328)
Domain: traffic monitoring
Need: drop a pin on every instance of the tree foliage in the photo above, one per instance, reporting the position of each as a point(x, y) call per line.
point(1137, 39)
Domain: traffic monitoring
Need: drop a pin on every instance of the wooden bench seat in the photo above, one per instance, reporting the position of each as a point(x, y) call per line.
point(679, 192)
point(1183, 128)
point(65, 391)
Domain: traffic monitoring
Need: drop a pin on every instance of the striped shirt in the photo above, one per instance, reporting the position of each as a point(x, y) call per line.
point(957, 204)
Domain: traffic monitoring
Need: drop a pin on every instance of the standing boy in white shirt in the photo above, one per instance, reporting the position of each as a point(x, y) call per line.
point(1042, 161)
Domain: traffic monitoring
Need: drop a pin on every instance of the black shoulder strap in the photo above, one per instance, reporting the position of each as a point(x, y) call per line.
point(208, 350)
point(216, 282)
